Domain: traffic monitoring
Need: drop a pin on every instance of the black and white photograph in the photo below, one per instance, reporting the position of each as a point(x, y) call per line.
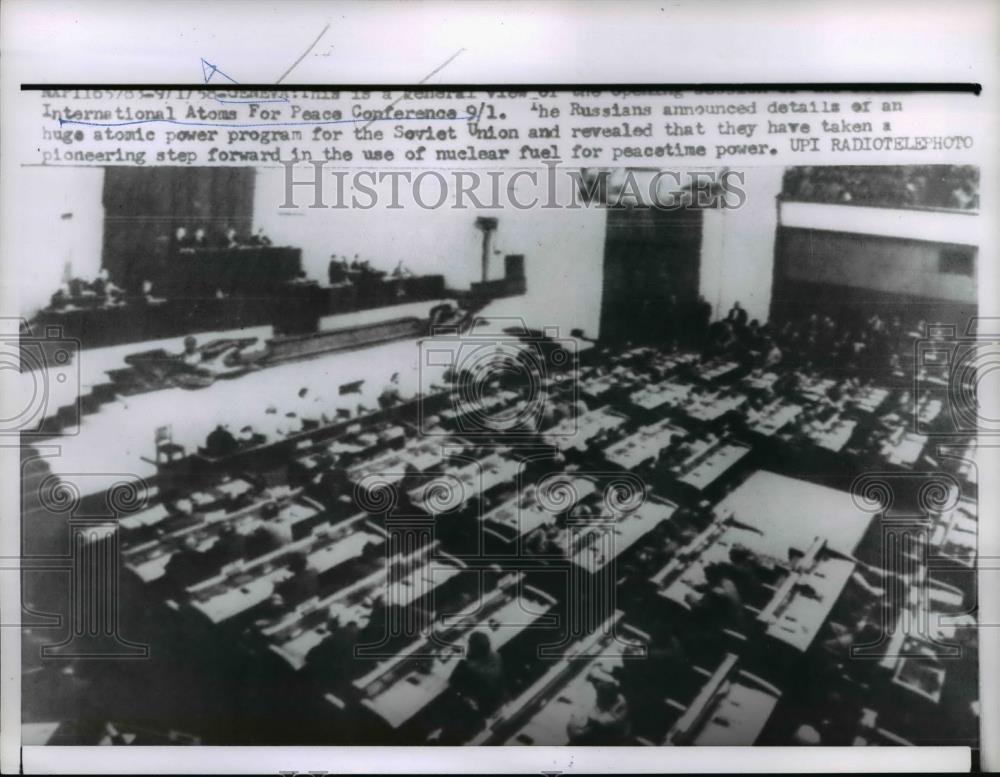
point(558, 417)
point(628, 473)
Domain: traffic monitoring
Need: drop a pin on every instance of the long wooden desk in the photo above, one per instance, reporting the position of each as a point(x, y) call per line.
point(804, 600)
point(450, 491)
point(244, 585)
point(149, 560)
point(643, 447)
point(400, 688)
point(402, 581)
point(731, 709)
point(662, 395)
point(761, 380)
point(706, 467)
point(603, 545)
point(519, 516)
point(772, 418)
point(541, 714)
point(710, 406)
point(420, 454)
point(577, 433)
point(682, 580)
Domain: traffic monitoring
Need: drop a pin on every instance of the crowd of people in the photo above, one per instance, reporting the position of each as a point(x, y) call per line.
point(188, 239)
point(874, 346)
point(344, 272)
point(735, 584)
point(954, 187)
point(100, 291)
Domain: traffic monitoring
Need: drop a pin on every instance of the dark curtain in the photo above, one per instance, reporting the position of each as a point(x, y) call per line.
point(143, 206)
point(652, 262)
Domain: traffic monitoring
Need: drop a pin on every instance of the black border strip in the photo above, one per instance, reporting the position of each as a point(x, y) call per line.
point(855, 86)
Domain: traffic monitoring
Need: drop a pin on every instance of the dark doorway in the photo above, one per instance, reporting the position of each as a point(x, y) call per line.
point(652, 260)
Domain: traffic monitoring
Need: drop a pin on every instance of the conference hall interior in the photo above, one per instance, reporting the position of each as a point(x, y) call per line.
point(589, 476)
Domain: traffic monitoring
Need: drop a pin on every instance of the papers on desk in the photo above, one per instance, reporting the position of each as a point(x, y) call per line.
point(665, 363)
point(869, 399)
point(452, 490)
point(203, 499)
point(716, 369)
point(657, 395)
point(296, 646)
point(149, 559)
point(803, 603)
point(297, 632)
point(234, 489)
point(529, 510)
point(759, 380)
point(738, 716)
point(732, 708)
point(772, 418)
point(417, 584)
point(242, 586)
point(599, 385)
point(712, 464)
point(928, 411)
point(832, 434)
point(483, 406)
point(713, 547)
point(288, 523)
point(153, 568)
point(576, 433)
point(711, 406)
point(907, 451)
point(644, 446)
point(340, 551)
point(235, 598)
point(815, 388)
point(148, 517)
point(392, 467)
point(604, 543)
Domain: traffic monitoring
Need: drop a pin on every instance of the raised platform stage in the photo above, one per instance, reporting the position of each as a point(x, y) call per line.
point(289, 306)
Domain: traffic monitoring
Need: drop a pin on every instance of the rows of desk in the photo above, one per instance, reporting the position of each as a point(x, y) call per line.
point(362, 555)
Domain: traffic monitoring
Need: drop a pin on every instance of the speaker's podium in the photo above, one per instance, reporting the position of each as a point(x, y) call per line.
point(512, 284)
point(296, 307)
